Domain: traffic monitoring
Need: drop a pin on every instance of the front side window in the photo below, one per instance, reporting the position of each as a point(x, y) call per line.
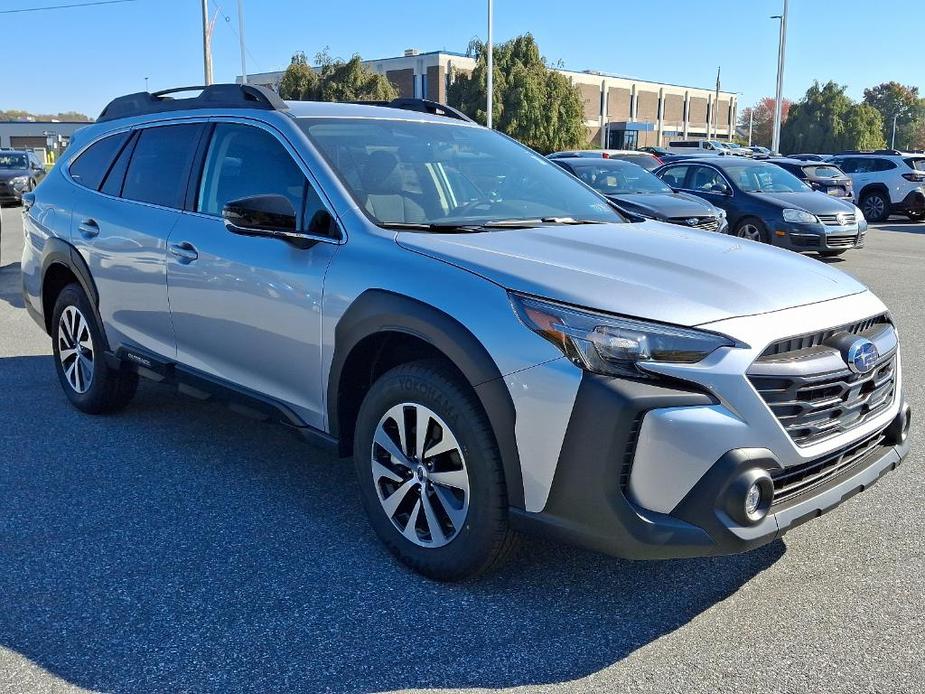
point(159, 169)
point(91, 166)
point(616, 179)
point(243, 161)
point(766, 178)
point(425, 173)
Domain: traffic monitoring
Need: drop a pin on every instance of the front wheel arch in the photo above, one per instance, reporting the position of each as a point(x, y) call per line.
point(384, 329)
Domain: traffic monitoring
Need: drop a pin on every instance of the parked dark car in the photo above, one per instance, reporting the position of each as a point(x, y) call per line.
point(20, 172)
point(819, 175)
point(763, 202)
point(644, 159)
point(637, 191)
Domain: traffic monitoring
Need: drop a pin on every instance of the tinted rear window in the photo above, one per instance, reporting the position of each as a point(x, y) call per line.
point(91, 166)
point(159, 168)
point(823, 171)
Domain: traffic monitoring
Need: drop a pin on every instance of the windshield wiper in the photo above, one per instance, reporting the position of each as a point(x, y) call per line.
point(475, 226)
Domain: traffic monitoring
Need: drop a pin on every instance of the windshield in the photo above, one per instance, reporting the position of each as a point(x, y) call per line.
point(12, 160)
point(616, 178)
point(424, 173)
point(766, 178)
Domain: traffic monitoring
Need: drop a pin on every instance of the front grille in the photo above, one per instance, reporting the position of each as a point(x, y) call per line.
point(705, 223)
point(799, 479)
point(841, 241)
point(832, 219)
point(803, 342)
point(815, 407)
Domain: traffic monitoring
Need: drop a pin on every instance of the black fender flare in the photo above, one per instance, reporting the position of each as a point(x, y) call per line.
point(60, 252)
point(874, 187)
point(378, 310)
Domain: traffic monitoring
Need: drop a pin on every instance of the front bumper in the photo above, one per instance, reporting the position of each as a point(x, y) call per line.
point(590, 503)
point(818, 237)
point(647, 469)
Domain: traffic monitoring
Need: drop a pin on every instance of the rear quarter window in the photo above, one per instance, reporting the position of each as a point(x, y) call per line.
point(90, 167)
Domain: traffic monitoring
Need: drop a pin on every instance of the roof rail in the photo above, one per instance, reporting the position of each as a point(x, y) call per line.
point(434, 108)
point(889, 152)
point(211, 96)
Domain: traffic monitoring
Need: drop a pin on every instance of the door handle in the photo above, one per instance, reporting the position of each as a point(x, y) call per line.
point(88, 228)
point(184, 251)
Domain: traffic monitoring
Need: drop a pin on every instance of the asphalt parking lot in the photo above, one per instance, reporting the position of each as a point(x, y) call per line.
point(180, 547)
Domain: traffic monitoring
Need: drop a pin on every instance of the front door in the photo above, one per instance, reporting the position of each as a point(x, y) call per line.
point(247, 310)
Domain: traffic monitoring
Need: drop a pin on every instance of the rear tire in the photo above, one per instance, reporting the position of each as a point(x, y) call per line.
point(876, 207)
point(77, 341)
point(445, 513)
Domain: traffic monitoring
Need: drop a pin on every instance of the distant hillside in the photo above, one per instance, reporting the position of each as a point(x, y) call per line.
point(15, 114)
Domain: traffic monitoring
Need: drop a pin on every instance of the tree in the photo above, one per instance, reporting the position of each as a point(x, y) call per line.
point(531, 102)
point(20, 115)
point(763, 122)
point(893, 99)
point(334, 80)
point(827, 120)
point(299, 82)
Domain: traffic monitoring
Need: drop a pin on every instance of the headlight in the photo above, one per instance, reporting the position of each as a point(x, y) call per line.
point(19, 181)
point(800, 217)
point(612, 345)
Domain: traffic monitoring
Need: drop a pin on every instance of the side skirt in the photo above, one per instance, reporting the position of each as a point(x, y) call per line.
point(204, 386)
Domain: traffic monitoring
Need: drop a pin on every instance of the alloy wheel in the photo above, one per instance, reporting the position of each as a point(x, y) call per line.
point(750, 232)
point(420, 475)
point(874, 207)
point(75, 349)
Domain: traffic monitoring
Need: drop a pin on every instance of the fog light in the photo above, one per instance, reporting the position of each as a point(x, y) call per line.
point(753, 501)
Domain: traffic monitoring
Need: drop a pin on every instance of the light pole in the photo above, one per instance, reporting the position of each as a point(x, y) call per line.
point(491, 65)
point(893, 139)
point(146, 84)
point(781, 51)
point(241, 40)
point(206, 43)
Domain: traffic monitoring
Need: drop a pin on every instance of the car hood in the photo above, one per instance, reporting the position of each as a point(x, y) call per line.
point(665, 205)
point(7, 174)
point(811, 201)
point(649, 270)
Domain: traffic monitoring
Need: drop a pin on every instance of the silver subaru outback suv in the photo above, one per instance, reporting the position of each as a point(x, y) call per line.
point(497, 348)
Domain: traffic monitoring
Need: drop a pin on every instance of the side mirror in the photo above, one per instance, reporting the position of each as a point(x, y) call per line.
point(264, 215)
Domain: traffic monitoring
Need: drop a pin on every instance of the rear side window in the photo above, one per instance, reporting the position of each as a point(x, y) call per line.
point(90, 168)
point(882, 165)
point(674, 176)
point(159, 168)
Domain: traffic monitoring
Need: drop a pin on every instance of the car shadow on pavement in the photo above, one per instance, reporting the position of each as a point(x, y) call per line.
point(905, 227)
point(178, 546)
point(11, 285)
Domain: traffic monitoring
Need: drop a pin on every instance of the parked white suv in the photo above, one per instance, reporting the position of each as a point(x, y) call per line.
point(886, 182)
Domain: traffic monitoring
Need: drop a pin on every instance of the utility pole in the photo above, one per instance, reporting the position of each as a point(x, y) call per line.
point(491, 66)
point(751, 124)
point(781, 52)
point(206, 43)
point(893, 139)
point(241, 37)
point(715, 113)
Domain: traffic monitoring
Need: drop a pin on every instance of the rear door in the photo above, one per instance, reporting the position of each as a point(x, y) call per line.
point(120, 225)
point(247, 310)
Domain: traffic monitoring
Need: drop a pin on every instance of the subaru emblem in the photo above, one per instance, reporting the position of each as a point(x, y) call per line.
point(691, 221)
point(862, 356)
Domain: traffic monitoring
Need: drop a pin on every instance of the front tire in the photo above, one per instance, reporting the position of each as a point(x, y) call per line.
point(752, 229)
point(876, 207)
point(77, 341)
point(430, 474)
